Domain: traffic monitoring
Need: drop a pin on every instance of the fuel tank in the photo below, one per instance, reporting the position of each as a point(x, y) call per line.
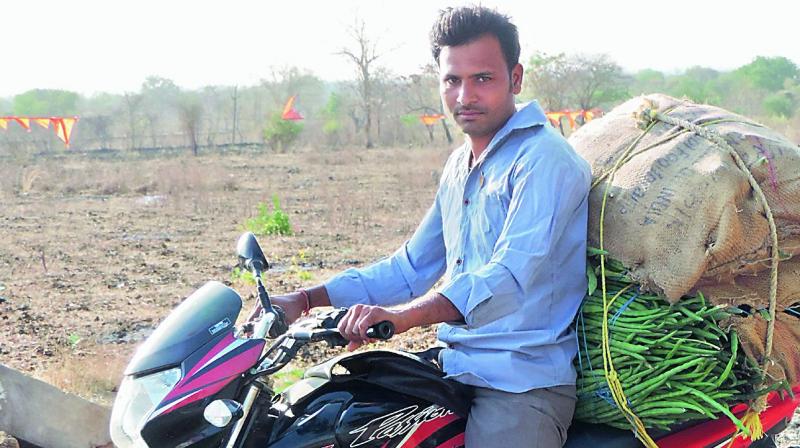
point(380, 398)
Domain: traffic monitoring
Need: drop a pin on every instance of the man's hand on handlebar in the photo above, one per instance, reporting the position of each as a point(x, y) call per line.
point(293, 304)
point(359, 318)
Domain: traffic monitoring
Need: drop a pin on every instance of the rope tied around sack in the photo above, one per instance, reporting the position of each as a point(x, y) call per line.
point(648, 116)
point(650, 113)
point(715, 138)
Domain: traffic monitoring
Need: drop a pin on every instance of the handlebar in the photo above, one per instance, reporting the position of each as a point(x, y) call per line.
point(326, 330)
point(324, 327)
point(382, 330)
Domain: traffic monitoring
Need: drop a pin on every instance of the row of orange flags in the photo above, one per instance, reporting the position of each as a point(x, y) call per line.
point(61, 125)
point(554, 117)
point(587, 115)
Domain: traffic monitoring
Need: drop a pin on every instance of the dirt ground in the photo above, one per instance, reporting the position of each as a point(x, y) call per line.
point(96, 250)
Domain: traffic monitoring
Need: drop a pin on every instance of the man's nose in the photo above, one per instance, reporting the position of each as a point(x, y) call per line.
point(466, 94)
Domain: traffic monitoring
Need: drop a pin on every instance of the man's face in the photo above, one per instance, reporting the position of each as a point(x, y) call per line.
point(476, 87)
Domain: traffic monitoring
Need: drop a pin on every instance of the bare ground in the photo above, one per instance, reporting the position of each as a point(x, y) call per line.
point(95, 252)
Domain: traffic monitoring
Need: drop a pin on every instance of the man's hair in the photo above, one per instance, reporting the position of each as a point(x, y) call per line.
point(460, 26)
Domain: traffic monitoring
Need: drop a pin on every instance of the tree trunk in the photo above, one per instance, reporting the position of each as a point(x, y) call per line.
point(368, 127)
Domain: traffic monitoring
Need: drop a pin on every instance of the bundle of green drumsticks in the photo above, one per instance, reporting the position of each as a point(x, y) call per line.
point(675, 362)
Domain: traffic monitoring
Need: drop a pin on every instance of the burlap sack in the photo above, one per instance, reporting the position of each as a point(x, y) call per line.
point(752, 289)
point(680, 212)
point(785, 355)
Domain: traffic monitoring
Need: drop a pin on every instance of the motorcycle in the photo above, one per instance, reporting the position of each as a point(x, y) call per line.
point(201, 381)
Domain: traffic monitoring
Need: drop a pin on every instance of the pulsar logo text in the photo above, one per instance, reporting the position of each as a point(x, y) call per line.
point(396, 423)
point(221, 325)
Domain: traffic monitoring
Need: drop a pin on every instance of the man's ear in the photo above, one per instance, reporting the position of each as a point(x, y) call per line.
point(516, 79)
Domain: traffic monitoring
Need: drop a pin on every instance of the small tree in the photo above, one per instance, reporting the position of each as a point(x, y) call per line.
point(770, 73)
point(279, 134)
point(781, 104)
point(363, 57)
point(575, 81)
point(190, 110)
point(547, 80)
point(332, 119)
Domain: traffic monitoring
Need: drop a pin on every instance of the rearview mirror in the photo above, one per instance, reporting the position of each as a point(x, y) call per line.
point(250, 254)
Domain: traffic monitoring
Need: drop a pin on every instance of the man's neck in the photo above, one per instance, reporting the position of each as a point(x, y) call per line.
point(477, 145)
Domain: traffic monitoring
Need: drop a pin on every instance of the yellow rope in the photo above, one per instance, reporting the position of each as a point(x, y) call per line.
point(612, 378)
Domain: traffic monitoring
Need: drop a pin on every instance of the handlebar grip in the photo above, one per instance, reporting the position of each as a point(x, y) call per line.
point(382, 330)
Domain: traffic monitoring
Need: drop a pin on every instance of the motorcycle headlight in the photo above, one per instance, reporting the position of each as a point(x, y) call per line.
point(136, 400)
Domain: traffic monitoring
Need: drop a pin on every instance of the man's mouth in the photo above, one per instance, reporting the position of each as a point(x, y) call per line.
point(469, 113)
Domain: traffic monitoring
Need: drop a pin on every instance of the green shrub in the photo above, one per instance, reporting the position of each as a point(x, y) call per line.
point(275, 222)
point(279, 134)
point(242, 275)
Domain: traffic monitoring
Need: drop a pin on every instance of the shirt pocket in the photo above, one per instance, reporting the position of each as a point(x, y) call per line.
point(492, 210)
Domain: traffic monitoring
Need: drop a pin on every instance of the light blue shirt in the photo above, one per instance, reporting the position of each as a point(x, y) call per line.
point(510, 237)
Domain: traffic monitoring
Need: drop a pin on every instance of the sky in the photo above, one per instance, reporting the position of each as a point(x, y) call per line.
point(112, 46)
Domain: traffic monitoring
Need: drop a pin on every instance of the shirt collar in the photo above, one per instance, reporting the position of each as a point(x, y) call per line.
point(527, 115)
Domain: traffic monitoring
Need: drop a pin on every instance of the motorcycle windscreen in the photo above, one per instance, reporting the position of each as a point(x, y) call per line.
point(198, 319)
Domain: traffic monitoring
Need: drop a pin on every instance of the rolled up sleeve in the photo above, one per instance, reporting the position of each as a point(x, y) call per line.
point(545, 195)
point(408, 273)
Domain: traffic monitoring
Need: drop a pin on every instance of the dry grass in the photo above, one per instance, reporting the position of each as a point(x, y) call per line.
point(92, 375)
point(123, 241)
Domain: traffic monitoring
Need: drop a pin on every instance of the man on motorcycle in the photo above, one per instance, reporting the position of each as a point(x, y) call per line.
point(507, 228)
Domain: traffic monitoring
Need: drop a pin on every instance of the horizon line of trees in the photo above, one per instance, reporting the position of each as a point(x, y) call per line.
point(376, 108)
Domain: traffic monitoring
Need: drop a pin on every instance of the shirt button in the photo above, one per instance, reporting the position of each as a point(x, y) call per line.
point(458, 261)
point(466, 201)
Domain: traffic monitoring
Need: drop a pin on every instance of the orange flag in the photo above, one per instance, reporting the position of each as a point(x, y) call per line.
point(554, 117)
point(4, 123)
point(43, 122)
point(288, 111)
point(573, 116)
point(64, 128)
point(24, 122)
point(430, 119)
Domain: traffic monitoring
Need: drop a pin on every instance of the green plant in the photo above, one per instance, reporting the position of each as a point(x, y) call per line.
point(242, 275)
point(73, 340)
point(297, 266)
point(275, 222)
point(279, 133)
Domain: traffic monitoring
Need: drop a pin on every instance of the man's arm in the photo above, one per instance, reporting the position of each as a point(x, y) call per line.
point(432, 308)
point(408, 273)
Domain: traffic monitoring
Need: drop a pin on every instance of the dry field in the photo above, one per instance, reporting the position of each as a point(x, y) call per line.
point(95, 251)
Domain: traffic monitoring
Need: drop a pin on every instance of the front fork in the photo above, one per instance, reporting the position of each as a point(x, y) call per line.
point(260, 331)
point(252, 394)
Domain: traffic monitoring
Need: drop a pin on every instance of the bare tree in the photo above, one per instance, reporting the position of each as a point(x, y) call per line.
point(133, 102)
point(548, 78)
point(568, 81)
point(363, 56)
point(422, 95)
point(100, 126)
point(190, 111)
point(235, 111)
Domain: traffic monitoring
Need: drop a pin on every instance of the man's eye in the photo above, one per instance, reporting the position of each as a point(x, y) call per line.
point(484, 78)
point(451, 81)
